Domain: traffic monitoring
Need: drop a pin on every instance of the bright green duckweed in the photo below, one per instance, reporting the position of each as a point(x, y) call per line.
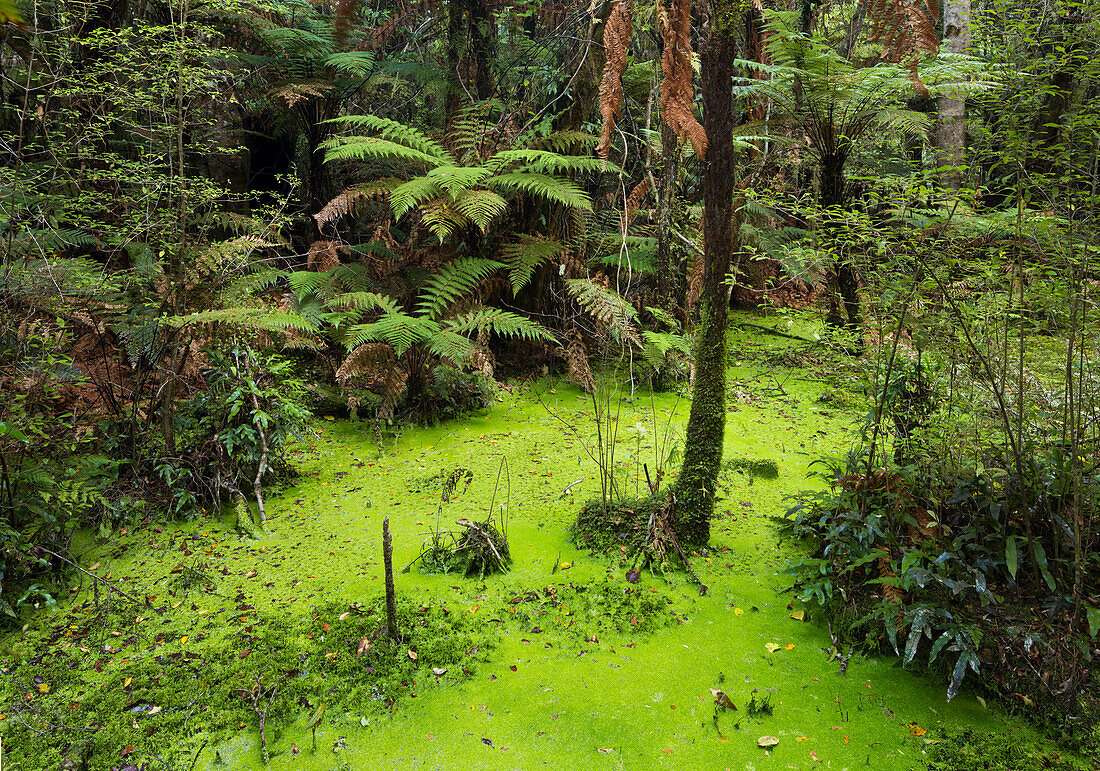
point(561, 662)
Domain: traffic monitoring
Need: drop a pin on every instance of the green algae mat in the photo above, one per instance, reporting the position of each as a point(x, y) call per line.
point(206, 648)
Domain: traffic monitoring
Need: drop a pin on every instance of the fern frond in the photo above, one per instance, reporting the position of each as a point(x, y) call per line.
point(552, 189)
point(398, 330)
point(310, 283)
point(258, 319)
point(545, 162)
point(453, 346)
point(351, 199)
point(498, 322)
point(480, 206)
point(524, 255)
point(300, 91)
point(566, 141)
point(441, 218)
point(251, 283)
point(400, 134)
point(357, 63)
point(363, 301)
point(412, 194)
point(357, 148)
point(453, 281)
point(457, 179)
point(607, 307)
point(371, 359)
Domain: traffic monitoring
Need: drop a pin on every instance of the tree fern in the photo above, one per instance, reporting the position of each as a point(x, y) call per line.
point(607, 307)
point(358, 148)
point(551, 189)
point(400, 135)
point(399, 330)
point(498, 322)
point(452, 282)
point(448, 344)
point(525, 254)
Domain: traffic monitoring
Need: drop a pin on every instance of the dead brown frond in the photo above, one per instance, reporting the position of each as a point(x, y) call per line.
point(695, 280)
point(677, 91)
point(631, 204)
point(906, 30)
point(349, 201)
point(323, 255)
point(370, 360)
point(616, 37)
point(576, 358)
point(301, 91)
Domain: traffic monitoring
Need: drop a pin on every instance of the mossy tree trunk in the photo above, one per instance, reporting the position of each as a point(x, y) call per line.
point(693, 493)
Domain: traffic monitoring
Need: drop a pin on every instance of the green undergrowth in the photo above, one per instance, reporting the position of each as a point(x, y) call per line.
point(167, 682)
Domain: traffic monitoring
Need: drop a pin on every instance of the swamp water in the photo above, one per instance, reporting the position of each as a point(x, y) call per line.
point(560, 662)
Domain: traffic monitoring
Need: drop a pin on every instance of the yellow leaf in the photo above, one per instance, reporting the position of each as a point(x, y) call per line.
point(916, 730)
point(412, 654)
point(799, 615)
point(43, 688)
point(127, 681)
point(771, 647)
point(177, 604)
point(344, 615)
point(981, 701)
point(801, 738)
point(183, 640)
point(329, 417)
point(93, 567)
point(788, 647)
point(474, 608)
point(738, 612)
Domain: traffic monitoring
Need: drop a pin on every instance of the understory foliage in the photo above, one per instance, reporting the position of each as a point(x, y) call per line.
point(961, 533)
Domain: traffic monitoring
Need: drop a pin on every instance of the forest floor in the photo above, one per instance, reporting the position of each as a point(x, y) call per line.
point(224, 647)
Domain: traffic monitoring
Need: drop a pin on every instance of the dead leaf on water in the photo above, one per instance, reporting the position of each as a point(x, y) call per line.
point(767, 741)
point(738, 612)
point(771, 647)
point(916, 730)
point(788, 647)
point(722, 700)
point(813, 755)
point(412, 654)
point(799, 615)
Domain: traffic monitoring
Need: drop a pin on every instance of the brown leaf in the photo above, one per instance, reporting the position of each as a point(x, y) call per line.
point(364, 647)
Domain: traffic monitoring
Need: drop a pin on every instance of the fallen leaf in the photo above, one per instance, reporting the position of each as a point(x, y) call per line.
point(93, 567)
point(916, 730)
point(344, 615)
point(813, 755)
point(722, 699)
point(605, 750)
point(474, 608)
point(767, 741)
point(412, 654)
point(439, 671)
point(738, 612)
point(771, 647)
point(799, 615)
point(845, 738)
point(43, 688)
point(364, 647)
point(981, 701)
point(801, 738)
point(155, 709)
point(127, 681)
point(184, 639)
point(788, 647)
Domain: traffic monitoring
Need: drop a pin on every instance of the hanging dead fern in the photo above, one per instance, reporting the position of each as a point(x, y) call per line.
point(677, 91)
point(616, 37)
point(906, 30)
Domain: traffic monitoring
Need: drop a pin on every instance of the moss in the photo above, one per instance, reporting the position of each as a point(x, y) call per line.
point(618, 527)
point(693, 492)
point(764, 468)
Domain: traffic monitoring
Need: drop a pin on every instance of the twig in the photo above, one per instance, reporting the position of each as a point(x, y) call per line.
point(105, 582)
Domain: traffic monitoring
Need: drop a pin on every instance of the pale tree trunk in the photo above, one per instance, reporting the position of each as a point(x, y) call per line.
point(951, 133)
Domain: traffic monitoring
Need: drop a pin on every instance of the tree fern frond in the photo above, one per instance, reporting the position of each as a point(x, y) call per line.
point(363, 301)
point(358, 63)
point(372, 359)
point(441, 218)
point(400, 134)
point(480, 206)
point(398, 330)
point(258, 319)
point(457, 179)
point(606, 306)
point(307, 283)
point(351, 199)
point(546, 162)
point(552, 189)
point(453, 281)
point(412, 194)
point(524, 255)
point(453, 346)
point(566, 141)
point(251, 283)
point(300, 91)
point(498, 322)
point(358, 148)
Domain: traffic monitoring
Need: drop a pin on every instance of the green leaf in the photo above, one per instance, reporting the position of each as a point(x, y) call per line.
point(1041, 561)
point(1093, 615)
point(1012, 558)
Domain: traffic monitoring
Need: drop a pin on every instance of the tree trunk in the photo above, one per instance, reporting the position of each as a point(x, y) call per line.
point(951, 133)
point(693, 493)
point(834, 195)
point(665, 199)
